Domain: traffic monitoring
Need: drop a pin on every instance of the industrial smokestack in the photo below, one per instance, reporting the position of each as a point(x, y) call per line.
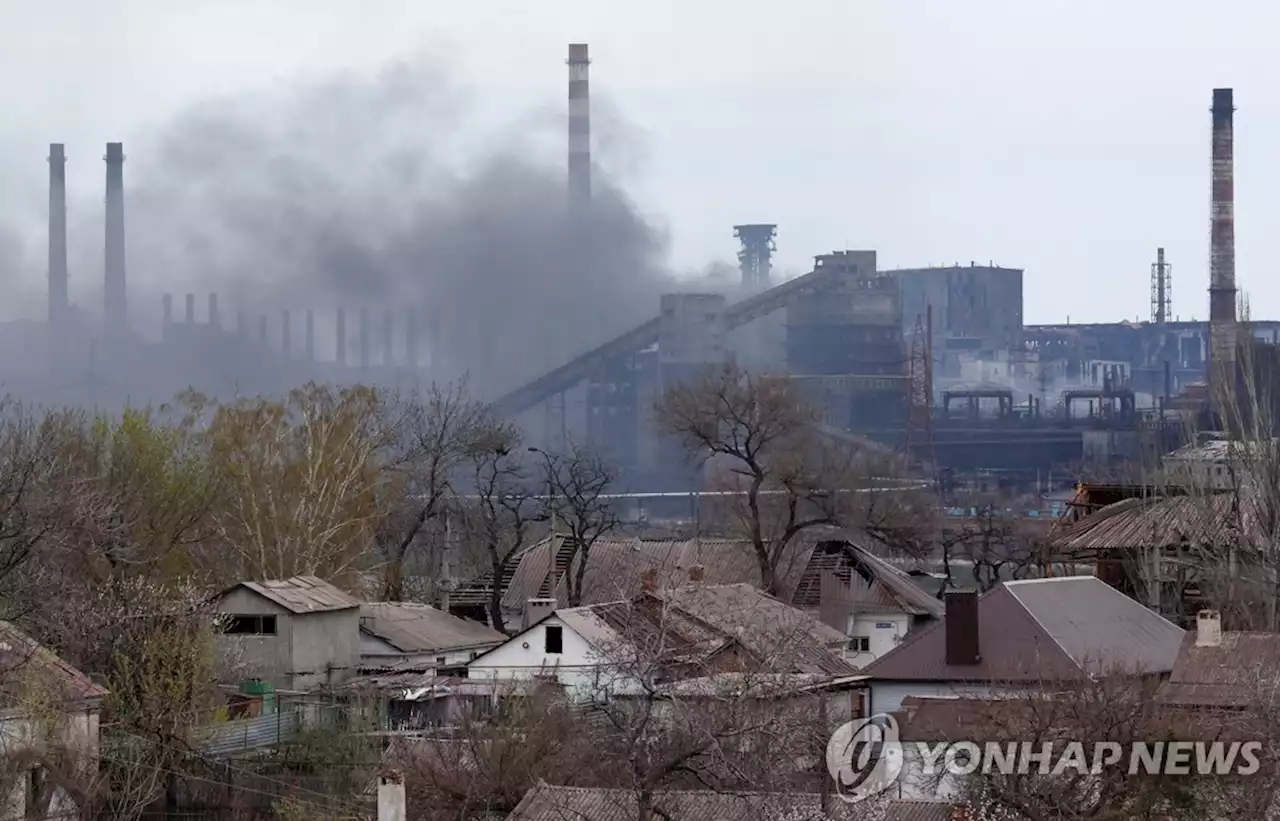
point(1222, 250)
point(190, 314)
point(59, 302)
point(411, 338)
point(167, 302)
point(364, 338)
point(310, 341)
point(286, 335)
point(388, 340)
point(115, 294)
point(579, 127)
point(240, 329)
point(342, 337)
point(214, 321)
point(262, 330)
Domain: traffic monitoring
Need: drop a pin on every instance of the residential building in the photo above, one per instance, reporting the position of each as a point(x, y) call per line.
point(399, 634)
point(545, 802)
point(1022, 634)
point(1223, 670)
point(659, 637)
point(297, 633)
point(835, 575)
point(48, 763)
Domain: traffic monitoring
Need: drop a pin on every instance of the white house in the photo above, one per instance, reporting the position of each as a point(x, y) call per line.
point(49, 722)
point(1025, 633)
point(663, 636)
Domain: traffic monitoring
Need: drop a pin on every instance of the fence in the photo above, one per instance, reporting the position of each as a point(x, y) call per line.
point(251, 733)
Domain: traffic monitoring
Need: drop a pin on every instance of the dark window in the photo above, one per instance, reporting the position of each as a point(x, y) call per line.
point(860, 644)
point(440, 659)
point(252, 626)
point(555, 638)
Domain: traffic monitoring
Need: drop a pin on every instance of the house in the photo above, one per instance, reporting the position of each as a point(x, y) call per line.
point(1022, 634)
point(1223, 671)
point(833, 574)
point(48, 765)
point(406, 634)
point(544, 802)
point(297, 633)
point(664, 636)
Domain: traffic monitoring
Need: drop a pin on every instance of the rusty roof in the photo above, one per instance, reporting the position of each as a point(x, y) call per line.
point(302, 594)
point(1241, 670)
point(1055, 629)
point(544, 802)
point(22, 657)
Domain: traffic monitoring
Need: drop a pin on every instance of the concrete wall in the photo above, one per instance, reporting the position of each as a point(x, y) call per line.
point(885, 630)
point(976, 302)
point(326, 647)
point(266, 657)
point(693, 329)
point(375, 652)
point(79, 735)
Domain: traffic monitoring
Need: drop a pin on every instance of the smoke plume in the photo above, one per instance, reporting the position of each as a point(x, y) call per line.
point(376, 191)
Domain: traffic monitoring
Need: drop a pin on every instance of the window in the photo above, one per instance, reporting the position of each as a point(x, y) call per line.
point(252, 626)
point(860, 644)
point(555, 638)
point(440, 659)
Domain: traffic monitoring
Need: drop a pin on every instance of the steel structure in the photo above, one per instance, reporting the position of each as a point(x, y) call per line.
point(1222, 247)
point(1161, 287)
point(755, 259)
point(920, 440)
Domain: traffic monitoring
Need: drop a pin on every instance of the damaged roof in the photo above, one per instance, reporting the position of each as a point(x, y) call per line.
point(301, 594)
point(420, 628)
point(1056, 628)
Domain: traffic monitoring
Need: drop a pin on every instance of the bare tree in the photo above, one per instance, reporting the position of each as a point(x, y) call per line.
point(433, 439)
point(759, 432)
point(996, 539)
point(576, 485)
point(502, 508)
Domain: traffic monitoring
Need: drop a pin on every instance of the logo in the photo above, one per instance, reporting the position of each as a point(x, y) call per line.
point(864, 757)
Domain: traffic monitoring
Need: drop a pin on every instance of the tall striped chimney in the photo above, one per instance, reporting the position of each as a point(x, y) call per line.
point(579, 126)
point(59, 302)
point(1222, 249)
point(115, 294)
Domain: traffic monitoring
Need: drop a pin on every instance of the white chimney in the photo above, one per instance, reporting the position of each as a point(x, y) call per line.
point(535, 610)
point(391, 803)
point(1209, 628)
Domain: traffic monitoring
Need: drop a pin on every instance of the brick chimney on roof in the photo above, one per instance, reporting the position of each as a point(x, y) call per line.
point(963, 645)
point(649, 581)
point(960, 812)
point(696, 573)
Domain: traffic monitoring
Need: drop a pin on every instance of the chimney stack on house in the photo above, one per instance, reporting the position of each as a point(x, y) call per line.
point(961, 626)
point(1208, 628)
point(696, 573)
point(535, 610)
point(649, 581)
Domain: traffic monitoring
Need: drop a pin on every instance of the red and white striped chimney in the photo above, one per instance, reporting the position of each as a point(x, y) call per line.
point(579, 126)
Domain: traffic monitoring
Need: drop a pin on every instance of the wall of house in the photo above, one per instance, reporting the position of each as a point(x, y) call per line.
point(326, 647)
point(524, 656)
point(266, 657)
point(886, 697)
point(19, 733)
point(885, 631)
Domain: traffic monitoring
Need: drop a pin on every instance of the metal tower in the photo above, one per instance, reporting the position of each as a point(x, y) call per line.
point(920, 441)
point(1161, 286)
point(755, 260)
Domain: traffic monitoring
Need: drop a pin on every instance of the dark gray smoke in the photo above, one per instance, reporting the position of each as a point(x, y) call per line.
point(376, 191)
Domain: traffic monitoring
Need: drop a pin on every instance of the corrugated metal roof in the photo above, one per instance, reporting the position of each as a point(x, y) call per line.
point(1058, 628)
point(547, 803)
point(1232, 674)
point(303, 594)
point(1150, 522)
point(420, 628)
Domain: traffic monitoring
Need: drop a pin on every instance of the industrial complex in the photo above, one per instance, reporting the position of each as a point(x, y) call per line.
point(937, 360)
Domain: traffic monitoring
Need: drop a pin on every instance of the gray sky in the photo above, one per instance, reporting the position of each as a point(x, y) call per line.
point(1067, 137)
